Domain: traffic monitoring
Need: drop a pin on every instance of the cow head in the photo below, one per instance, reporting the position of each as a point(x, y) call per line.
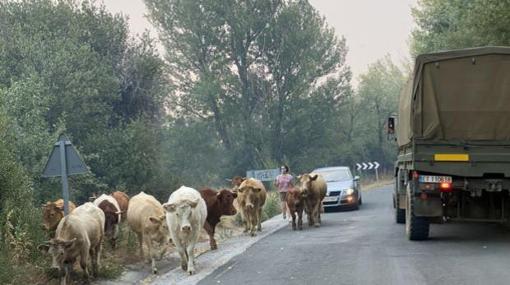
point(182, 211)
point(59, 251)
point(250, 194)
point(226, 202)
point(306, 181)
point(158, 228)
point(52, 214)
point(236, 182)
point(295, 196)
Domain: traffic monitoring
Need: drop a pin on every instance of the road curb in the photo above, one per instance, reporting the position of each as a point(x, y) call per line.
point(209, 261)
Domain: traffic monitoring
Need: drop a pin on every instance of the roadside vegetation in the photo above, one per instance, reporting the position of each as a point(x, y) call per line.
point(238, 85)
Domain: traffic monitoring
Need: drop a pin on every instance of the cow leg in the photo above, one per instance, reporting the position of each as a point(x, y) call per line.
point(182, 253)
point(68, 267)
point(191, 256)
point(140, 240)
point(293, 215)
point(253, 222)
point(259, 219)
point(246, 220)
point(210, 231)
point(309, 216)
point(316, 214)
point(94, 255)
point(300, 219)
point(84, 256)
point(151, 257)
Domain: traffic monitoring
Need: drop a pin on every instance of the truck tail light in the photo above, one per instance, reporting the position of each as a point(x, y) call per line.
point(445, 187)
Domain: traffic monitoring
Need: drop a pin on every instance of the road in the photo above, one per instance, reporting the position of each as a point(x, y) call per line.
point(367, 247)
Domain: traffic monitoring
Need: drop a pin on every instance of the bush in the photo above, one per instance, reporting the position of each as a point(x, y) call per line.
point(272, 206)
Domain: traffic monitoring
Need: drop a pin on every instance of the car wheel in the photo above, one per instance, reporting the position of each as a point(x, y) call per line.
point(360, 201)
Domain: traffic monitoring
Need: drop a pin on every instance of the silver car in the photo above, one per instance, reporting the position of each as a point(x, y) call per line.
point(343, 188)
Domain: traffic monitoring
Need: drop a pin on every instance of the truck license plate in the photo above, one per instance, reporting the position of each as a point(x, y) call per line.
point(435, 179)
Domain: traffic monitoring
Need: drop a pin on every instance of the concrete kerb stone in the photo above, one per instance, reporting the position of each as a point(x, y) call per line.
point(208, 261)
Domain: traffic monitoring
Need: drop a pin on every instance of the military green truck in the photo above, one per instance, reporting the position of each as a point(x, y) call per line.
point(453, 135)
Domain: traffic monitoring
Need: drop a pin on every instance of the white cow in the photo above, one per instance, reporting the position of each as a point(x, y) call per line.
point(78, 235)
point(186, 214)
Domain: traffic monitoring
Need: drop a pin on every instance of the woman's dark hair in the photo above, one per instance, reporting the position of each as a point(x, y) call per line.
point(286, 167)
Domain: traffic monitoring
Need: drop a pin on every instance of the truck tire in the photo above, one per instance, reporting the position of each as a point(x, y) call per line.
point(417, 228)
point(400, 214)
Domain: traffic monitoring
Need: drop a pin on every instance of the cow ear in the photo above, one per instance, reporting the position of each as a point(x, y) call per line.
point(43, 247)
point(313, 177)
point(155, 220)
point(218, 195)
point(299, 177)
point(169, 207)
point(68, 243)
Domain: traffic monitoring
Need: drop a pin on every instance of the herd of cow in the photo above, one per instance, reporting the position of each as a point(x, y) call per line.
point(179, 221)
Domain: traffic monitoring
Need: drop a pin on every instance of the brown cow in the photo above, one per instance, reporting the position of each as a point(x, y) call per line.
point(53, 212)
point(313, 189)
point(112, 213)
point(218, 204)
point(123, 201)
point(296, 205)
point(252, 197)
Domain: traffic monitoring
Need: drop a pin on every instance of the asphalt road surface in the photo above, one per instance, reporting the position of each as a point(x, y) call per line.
point(368, 247)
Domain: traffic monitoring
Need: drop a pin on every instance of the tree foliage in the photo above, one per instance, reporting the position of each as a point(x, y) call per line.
point(256, 73)
point(460, 24)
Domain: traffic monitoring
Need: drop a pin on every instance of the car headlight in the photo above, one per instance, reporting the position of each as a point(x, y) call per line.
point(349, 191)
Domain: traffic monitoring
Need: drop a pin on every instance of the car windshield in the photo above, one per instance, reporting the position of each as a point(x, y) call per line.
point(335, 174)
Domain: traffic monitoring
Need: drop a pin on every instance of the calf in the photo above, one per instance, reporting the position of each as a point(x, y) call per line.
point(218, 204)
point(53, 212)
point(146, 217)
point(123, 201)
point(313, 188)
point(296, 205)
point(78, 235)
point(186, 214)
point(252, 197)
point(112, 213)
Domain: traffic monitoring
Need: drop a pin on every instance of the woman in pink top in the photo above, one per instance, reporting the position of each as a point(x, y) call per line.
point(283, 182)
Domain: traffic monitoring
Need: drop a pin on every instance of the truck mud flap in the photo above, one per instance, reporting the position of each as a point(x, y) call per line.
point(430, 207)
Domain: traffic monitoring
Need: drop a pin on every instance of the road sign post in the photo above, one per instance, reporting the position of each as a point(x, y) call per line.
point(64, 160)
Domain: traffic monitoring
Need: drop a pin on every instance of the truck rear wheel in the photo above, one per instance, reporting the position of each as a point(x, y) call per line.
point(417, 228)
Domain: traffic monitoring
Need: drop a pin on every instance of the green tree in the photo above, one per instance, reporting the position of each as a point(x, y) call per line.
point(252, 69)
point(70, 66)
point(460, 24)
point(377, 99)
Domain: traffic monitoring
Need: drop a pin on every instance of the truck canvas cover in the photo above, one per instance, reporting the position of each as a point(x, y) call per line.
point(457, 96)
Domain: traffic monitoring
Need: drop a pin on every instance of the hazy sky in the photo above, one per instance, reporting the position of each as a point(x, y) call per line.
point(372, 28)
